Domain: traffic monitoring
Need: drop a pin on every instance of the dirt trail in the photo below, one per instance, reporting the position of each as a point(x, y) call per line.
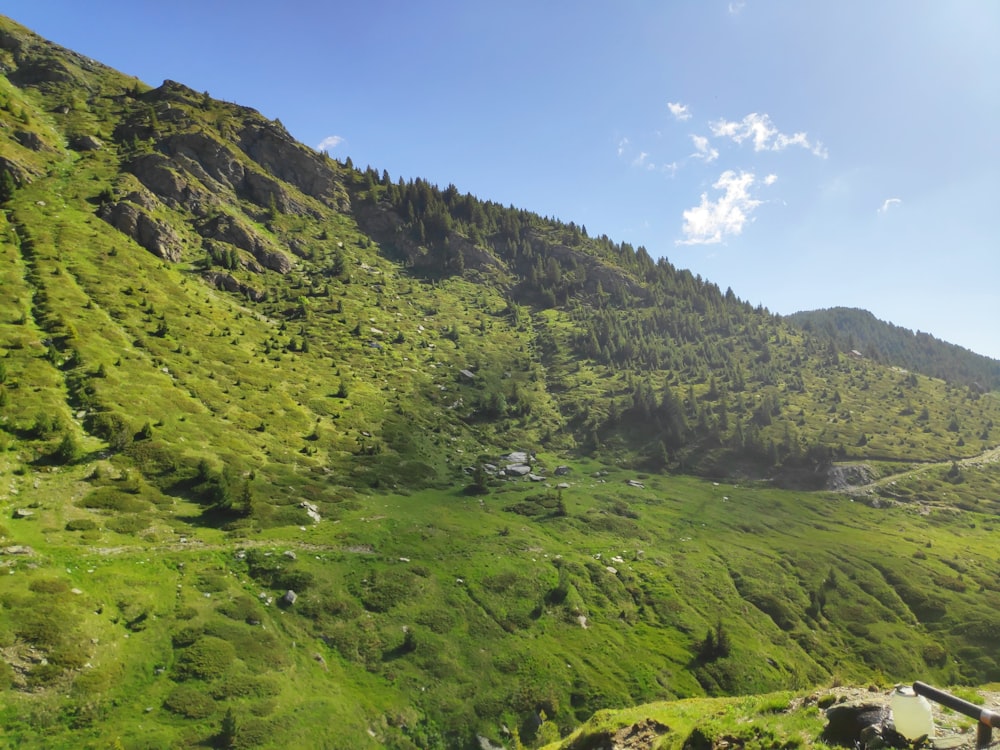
point(986, 457)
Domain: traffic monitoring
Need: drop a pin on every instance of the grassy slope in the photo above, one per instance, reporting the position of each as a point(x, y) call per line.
point(169, 616)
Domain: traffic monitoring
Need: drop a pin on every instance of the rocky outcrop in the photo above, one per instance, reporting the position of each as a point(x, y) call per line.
point(22, 174)
point(643, 735)
point(235, 232)
point(218, 168)
point(270, 145)
point(151, 233)
point(86, 143)
point(29, 139)
point(158, 173)
point(848, 476)
point(226, 282)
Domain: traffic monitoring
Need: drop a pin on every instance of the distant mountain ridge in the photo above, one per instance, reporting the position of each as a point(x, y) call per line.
point(860, 330)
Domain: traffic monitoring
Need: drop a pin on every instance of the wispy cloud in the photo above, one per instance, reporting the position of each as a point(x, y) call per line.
point(712, 221)
point(679, 111)
point(331, 141)
point(703, 150)
point(770, 179)
point(640, 161)
point(736, 6)
point(889, 203)
point(622, 146)
point(765, 136)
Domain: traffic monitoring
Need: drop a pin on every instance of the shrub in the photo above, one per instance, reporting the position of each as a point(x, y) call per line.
point(208, 658)
point(246, 686)
point(49, 586)
point(111, 498)
point(68, 451)
point(127, 524)
point(81, 524)
point(241, 608)
point(189, 702)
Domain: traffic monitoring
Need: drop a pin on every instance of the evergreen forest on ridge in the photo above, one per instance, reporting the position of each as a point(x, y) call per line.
point(295, 453)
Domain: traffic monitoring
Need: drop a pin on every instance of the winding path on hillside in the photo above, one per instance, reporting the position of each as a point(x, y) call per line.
point(989, 456)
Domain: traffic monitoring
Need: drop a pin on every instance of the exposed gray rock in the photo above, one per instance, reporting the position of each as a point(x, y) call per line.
point(86, 143)
point(17, 549)
point(235, 232)
point(845, 721)
point(228, 283)
point(844, 477)
point(154, 235)
point(29, 139)
point(289, 598)
point(159, 174)
point(519, 470)
point(312, 510)
point(270, 145)
point(561, 471)
point(23, 513)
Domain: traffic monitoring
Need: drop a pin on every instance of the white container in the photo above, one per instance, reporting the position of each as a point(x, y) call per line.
point(911, 713)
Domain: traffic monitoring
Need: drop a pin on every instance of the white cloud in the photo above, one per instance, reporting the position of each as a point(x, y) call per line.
point(765, 136)
point(889, 203)
point(711, 221)
point(736, 6)
point(622, 145)
point(331, 141)
point(640, 160)
point(770, 179)
point(679, 111)
point(702, 149)
point(671, 168)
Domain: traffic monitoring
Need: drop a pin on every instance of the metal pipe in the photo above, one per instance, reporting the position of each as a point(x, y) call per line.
point(980, 714)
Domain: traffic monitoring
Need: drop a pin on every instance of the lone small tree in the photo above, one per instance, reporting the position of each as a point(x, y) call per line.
point(7, 186)
point(227, 732)
point(68, 450)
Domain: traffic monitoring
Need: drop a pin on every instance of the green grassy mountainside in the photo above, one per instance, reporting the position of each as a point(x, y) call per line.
point(293, 454)
point(853, 329)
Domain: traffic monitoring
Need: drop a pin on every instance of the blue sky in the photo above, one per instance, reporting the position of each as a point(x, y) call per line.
point(805, 154)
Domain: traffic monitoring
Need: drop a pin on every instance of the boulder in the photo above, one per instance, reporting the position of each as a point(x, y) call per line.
point(846, 721)
point(17, 549)
point(518, 470)
point(312, 510)
point(30, 139)
point(86, 143)
point(289, 598)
